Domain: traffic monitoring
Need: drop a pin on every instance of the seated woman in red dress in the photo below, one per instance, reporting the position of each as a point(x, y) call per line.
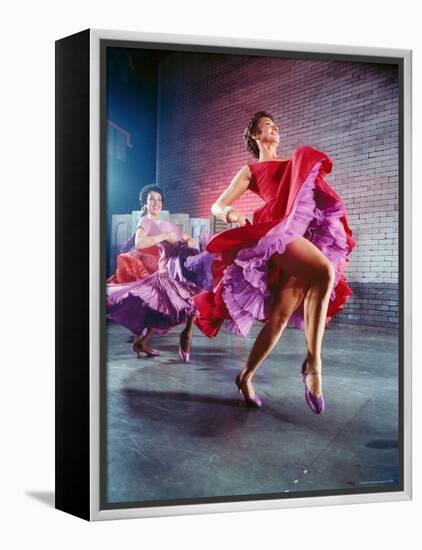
point(287, 266)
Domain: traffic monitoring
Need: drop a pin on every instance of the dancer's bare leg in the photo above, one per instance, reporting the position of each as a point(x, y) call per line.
point(315, 308)
point(186, 335)
point(304, 259)
point(287, 298)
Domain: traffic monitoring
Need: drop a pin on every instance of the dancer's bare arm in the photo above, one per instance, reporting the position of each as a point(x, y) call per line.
point(237, 187)
point(142, 240)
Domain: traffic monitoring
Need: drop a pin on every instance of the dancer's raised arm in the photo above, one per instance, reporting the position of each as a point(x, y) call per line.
point(221, 208)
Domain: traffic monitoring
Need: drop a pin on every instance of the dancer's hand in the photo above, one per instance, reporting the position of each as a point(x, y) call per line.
point(188, 239)
point(241, 220)
point(236, 217)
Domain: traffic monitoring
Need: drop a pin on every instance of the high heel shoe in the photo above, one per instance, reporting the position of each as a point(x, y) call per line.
point(184, 355)
point(138, 348)
point(253, 402)
point(316, 404)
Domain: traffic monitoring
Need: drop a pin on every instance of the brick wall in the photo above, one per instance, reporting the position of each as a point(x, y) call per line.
point(348, 110)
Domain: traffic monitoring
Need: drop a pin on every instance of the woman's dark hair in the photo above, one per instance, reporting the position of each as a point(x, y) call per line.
point(251, 129)
point(143, 193)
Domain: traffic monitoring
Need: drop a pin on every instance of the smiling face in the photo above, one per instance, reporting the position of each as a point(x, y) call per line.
point(154, 203)
point(267, 131)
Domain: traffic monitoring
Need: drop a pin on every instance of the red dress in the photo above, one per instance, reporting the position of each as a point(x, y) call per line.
point(135, 265)
point(298, 202)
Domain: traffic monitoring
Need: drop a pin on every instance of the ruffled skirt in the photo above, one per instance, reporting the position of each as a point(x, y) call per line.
point(159, 302)
point(163, 299)
point(244, 295)
point(135, 265)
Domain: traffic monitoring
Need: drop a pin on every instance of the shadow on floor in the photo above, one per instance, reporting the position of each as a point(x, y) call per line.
point(199, 415)
point(46, 497)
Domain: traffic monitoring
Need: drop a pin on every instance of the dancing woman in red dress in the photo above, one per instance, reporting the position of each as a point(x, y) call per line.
point(287, 266)
point(162, 299)
point(133, 264)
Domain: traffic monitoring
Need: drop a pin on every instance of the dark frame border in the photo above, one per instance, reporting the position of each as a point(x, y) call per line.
point(72, 295)
point(399, 62)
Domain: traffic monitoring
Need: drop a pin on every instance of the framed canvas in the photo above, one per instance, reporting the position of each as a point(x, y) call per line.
point(233, 292)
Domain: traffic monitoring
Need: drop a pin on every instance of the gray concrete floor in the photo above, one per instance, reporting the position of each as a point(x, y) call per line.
point(181, 431)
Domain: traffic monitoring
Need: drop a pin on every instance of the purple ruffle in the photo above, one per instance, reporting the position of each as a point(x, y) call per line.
point(316, 216)
point(198, 269)
point(175, 259)
point(163, 299)
point(158, 301)
point(187, 264)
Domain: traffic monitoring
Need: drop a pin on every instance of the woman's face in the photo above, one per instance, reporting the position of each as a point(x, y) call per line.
point(154, 203)
point(268, 131)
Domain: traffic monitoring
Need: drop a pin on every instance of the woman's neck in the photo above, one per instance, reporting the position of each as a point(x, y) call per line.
point(267, 152)
point(153, 217)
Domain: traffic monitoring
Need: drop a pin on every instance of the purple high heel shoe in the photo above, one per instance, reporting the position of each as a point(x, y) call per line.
point(253, 402)
point(184, 355)
point(316, 404)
